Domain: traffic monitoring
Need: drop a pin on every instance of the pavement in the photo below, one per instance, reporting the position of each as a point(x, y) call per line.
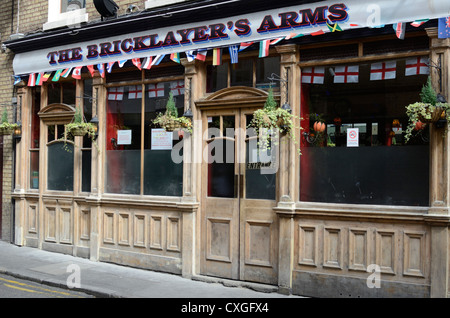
point(107, 280)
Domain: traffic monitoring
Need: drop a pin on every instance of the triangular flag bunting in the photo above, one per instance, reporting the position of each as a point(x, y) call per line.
point(91, 69)
point(57, 76)
point(233, 53)
point(444, 28)
point(317, 33)
point(175, 57)
point(137, 63)
point(158, 59)
point(400, 29)
point(201, 54)
point(333, 27)
point(147, 63)
point(190, 56)
point(17, 79)
point(418, 23)
point(101, 69)
point(109, 66)
point(245, 45)
point(66, 72)
point(32, 79)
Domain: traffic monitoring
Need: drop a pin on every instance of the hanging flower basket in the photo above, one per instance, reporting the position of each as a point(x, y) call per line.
point(170, 121)
point(6, 131)
point(430, 113)
point(78, 131)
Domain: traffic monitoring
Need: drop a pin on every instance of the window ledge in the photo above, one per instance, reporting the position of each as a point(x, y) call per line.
point(70, 18)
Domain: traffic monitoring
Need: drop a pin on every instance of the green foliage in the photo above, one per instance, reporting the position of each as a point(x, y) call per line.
point(428, 95)
point(77, 117)
point(171, 109)
point(170, 120)
point(270, 104)
point(4, 116)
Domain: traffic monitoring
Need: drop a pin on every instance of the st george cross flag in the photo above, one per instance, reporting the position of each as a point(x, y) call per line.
point(77, 72)
point(233, 53)
point(177, 87)
point(147, 63)
point(115, 93)
point(346, 74)
point(32, 79)
point(313, 75)
point(156, 90)
point(217, 56)
point(134, 91)
point(417, 66)
point(400, 30)
point(137, 63)
point(264, 48)
point(383, 70)
point(444, 28)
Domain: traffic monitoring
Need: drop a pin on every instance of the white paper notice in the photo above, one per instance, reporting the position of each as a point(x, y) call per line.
point(352, 137)
point(124, 137)
point(161, 139)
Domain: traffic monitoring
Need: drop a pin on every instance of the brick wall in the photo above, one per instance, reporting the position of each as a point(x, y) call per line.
point(25, 17)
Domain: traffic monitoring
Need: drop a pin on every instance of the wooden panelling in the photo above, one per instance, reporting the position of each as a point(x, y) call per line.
point(332, 248)
point(32, 219)
point(358, 249)
point(414, 254)
point(85, 224)
point(218, 239)
point(139, 230)
point(307, 245)
point(50, 224)
point(386, 251)
point(156, 232)
point(258, 245)
point(108, 228)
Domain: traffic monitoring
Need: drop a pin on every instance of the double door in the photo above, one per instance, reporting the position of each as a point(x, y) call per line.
point(239, 230)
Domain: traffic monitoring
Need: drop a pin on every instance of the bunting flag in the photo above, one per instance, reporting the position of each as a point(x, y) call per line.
point(190, 56)
point(217, 56)
point(177, 87)
point(275, 41)
point(91, 69)
point(109, 66)
point(444, 28)
point(32, 79)
point(317, 33)
point(291, 36)
point(115, 93)
point(43, 77)
point(313, 75)
point(234, 49)
point(134, 91)
point(101, 69)
point(400, 29)
point(417, 66)
point(264, 48)
point(175, 57)
point(383, 70)
point(147, 63)
point(201, 54)
point(156, 90)
point(77, 72)
point(57, 76)
point(418, 23)
point(158, 59)
point(17, 79)
point(346, 74)
point(66, 72)
point(122, 63)
point(245, 45)
point(137, 63)
point(333, 27)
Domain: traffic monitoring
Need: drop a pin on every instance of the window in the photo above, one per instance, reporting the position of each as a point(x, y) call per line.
point(34, 142)
point(252, 72)
point(138, 154)
point(380, 167)
point(65, 13)
point(59, 160)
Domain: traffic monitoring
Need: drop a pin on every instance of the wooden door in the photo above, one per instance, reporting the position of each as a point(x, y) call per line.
point(239, 238)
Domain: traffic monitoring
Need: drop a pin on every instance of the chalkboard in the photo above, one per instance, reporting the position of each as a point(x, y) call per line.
point(60, 167)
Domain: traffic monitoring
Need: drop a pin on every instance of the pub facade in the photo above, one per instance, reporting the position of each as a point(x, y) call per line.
point(350, 209)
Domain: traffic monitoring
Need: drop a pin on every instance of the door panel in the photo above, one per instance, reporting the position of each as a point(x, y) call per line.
point(239, 228)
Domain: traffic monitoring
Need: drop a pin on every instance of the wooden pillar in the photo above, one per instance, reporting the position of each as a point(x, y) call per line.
point(194, 83)
point(439, 216)
point(288, 172)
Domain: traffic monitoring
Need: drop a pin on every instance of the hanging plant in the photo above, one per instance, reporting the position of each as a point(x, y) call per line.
point(431, 109)
point(170, 120)
point(5, 127)
point(79, 127)
point(269, 119)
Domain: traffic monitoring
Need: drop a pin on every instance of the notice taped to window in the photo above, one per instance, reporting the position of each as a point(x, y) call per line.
point(161, 139)
point(352, 137)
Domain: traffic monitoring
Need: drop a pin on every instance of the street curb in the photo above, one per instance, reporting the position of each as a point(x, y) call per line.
point(58, 284)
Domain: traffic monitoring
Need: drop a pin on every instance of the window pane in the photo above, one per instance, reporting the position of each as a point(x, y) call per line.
point(53, 93)
point(69, 93)
point(123, 141)
point(242, 73)
point(60, 166)
point(35, 127)
point(217, 77)
point(265, 67)
point(382, 167)
point(221, 171)
point(34, 168)
point(86, 171)
point(163, 151)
